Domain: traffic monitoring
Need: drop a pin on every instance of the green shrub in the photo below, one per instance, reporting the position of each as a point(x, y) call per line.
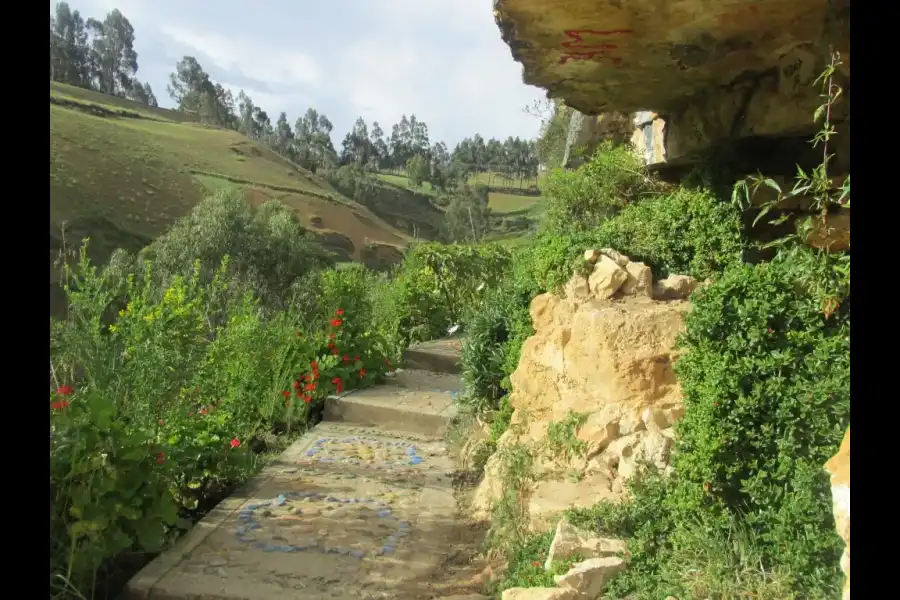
point(766, 382)
point(268, 249)
point(437, 285)
point(765, 374)
point(687, 231)
point(582, 199)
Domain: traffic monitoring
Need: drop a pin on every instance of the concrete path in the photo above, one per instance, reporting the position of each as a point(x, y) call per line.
point(362, 506)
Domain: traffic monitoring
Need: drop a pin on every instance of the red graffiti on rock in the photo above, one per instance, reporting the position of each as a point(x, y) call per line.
point(587, 44)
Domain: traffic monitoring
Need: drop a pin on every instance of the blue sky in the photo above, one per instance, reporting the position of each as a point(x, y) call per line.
point(440, 59)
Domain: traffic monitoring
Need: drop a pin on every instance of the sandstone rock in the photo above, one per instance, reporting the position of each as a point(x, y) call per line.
point(589, 577)
point(640, 280)
point(463, 597)
point(619, 258)
point(569, 540)
point(606, 278)
point(838, 467)
point(539, 594)
point(611, 361)
point(577, 288)
point(550, 499)
point(674, 287)
point(831, 233)
point(592, 256)
point(717, 70)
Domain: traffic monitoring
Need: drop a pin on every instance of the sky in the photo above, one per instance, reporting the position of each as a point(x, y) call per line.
point(442, 60)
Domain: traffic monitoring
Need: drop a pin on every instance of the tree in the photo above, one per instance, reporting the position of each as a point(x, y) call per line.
point(114, 59)
point(312, 141)
point(417, 170)
point(69, 53)
point(468, 217)
point(188, 85)
point(379, 146)
point(283, 140)
point(143, 93)
point(356, 147)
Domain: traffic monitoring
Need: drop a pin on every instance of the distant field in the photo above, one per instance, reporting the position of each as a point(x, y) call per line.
point(124, 180)
point(500, 180)
point(499, 202)
point(404, 182)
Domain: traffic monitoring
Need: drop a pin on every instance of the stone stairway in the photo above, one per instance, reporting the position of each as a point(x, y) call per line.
point(362, 506)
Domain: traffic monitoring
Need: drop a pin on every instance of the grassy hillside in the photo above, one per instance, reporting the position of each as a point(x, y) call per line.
point(122, 173)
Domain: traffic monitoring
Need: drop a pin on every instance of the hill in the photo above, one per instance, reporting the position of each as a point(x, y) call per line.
point(122, 173)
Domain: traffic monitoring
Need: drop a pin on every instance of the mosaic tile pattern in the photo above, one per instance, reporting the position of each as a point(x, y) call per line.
point(319, 522)
point(365, 452)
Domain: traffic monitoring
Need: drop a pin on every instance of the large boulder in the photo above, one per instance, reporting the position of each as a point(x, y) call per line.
point(604, 350)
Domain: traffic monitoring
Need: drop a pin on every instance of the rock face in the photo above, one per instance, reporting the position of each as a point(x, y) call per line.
point(838, 466)
point(586, 133)
point(604, 351)
point(570, 540)
point(715, 70)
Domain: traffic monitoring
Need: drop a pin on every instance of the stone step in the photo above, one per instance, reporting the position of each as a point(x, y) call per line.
point(440, 356)
point(345, 512)
point(412, 401)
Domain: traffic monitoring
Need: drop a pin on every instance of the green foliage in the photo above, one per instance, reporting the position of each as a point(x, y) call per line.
point(562, 437)
point(468, 217)
point(268, 249)
point(687, 231)
point(526, 564)
point(438, 284)
point(165, 384)
point(551, 146)
point(582, 199)
point(417, 170)
point(766, 380)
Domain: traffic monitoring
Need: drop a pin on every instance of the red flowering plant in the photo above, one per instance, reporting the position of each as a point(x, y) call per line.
point(194, 438)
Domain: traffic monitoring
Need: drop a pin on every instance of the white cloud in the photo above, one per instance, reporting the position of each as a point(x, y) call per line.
point(250, 57)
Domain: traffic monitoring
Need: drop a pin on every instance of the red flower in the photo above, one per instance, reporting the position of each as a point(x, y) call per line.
point(61, 404)
point(340, 311)
point(770, 331)
point(315, 366)
point(161, 422)
point(307, 399)
point(65, 390)
point(355, 358)
point(331, 345)
point(202, 411)
point(309, 387)
point(336, 322)
point(235, 443)
point(339, 384)
point(362, 372)
point(286, 393)
point(190, 414)
point(335, 351)
point(346, 358)
point(331, 336)
point(160, 458)
point(535, 564)
point(297, 384)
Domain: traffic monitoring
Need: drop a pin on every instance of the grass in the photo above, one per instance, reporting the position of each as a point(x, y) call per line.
point(123, 178)
point(404, 182)
point(502, 203)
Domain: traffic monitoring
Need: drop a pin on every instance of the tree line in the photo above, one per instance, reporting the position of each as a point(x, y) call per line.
point(97, 55)
point(101, 56)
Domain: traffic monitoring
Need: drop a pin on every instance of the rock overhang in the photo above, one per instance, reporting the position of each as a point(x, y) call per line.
point(713, 69)
point(602, 55)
